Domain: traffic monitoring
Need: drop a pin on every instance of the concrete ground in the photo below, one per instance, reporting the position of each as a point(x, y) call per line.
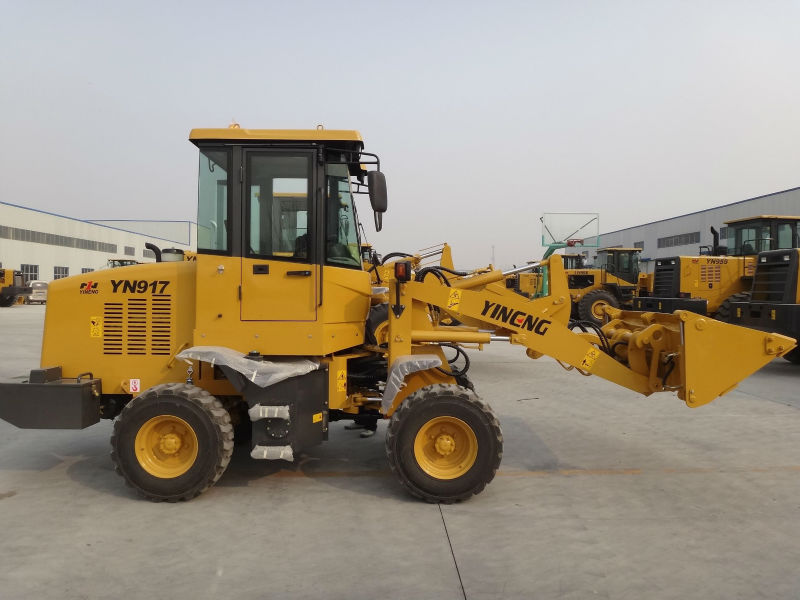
point(601, 494)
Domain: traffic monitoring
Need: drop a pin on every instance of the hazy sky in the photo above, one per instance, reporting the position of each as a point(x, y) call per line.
point(485, 114)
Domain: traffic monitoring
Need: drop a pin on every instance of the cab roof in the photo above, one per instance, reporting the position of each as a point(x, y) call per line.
point(619, 250)
point(771, 217)
point(236, 133)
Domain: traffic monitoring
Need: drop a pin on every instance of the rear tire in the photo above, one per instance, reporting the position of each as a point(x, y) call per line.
point(172, 443)
point(590, 307)
point(444, 444)
point(6, 301)
point(377, 329)
point(725, 310)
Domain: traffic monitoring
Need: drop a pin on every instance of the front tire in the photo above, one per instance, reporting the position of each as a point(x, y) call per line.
point(173, 442)
point(592, 306)
point(444, 444)
point(376, 332)
point(725, 310)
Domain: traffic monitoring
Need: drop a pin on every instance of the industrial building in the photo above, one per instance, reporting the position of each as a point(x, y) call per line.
point(47, 246)
point(683, 235)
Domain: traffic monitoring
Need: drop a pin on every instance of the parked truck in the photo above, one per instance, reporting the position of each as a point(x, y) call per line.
point(12, 287)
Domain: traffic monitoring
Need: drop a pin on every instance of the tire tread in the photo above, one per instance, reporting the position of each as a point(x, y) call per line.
point(409, 405)
point(208, 404)
point(724, 311)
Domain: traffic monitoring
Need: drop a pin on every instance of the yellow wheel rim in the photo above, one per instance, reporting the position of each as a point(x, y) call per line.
point(445, 447)
point(598, 309)
point(166, 446)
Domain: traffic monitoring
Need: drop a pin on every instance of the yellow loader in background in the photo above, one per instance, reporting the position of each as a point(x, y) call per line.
point(710, 282)
point(276, 329)
point(12, 287)
point(614, 280)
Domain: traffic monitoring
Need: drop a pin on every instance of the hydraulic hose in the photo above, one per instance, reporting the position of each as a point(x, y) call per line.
point(451, 271)
point(459, 352)
point(437, 270)
point(420, 275)
point(584, 326)
point(395, 255)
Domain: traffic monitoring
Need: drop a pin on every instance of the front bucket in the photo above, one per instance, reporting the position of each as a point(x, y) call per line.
point(697, 356)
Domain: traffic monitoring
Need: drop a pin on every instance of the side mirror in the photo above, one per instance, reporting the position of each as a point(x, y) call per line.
point(377, 191)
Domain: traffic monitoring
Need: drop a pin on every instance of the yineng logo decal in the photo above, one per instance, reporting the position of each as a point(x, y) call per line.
point(89, 287)
point(515, 318)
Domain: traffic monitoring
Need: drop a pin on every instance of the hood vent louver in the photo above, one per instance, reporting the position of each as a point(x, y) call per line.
point(138, 326)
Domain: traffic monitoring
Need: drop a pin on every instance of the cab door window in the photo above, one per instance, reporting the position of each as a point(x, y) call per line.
point(747, 240)
point(277, 196)
point(624, 262)
point(786, 235)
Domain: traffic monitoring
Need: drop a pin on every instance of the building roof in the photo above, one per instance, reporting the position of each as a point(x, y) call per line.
point(697, 212)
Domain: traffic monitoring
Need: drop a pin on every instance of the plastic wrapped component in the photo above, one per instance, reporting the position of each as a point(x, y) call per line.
point(272, 453)
point(262, 373)
point(400, 369)
point(268, 412)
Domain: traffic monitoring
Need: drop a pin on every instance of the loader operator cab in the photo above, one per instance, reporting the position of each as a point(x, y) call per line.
point(277, 222)
point(748, 237)
point(622, 263)
point(278, 204)
point(573, 261)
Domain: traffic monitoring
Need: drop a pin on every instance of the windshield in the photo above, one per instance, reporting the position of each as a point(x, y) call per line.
point(748, 238)
point(341, 223)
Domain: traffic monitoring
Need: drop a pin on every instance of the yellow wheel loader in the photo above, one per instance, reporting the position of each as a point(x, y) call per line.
point(773, 303)
point(710, 282)
point(531, 284)
point(613, 281)
point(272, 333)
point(12, 287)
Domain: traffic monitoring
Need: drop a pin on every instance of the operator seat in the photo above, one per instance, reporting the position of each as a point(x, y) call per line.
point(301, 246)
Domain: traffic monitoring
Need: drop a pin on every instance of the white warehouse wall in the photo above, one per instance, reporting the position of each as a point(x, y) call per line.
point(28, 237)
point(180, 232)
point(786, 202)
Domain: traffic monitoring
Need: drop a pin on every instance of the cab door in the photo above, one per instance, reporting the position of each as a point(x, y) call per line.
point(279, 272)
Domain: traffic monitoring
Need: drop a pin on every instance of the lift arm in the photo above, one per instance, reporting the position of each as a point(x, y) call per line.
point(695, 356)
